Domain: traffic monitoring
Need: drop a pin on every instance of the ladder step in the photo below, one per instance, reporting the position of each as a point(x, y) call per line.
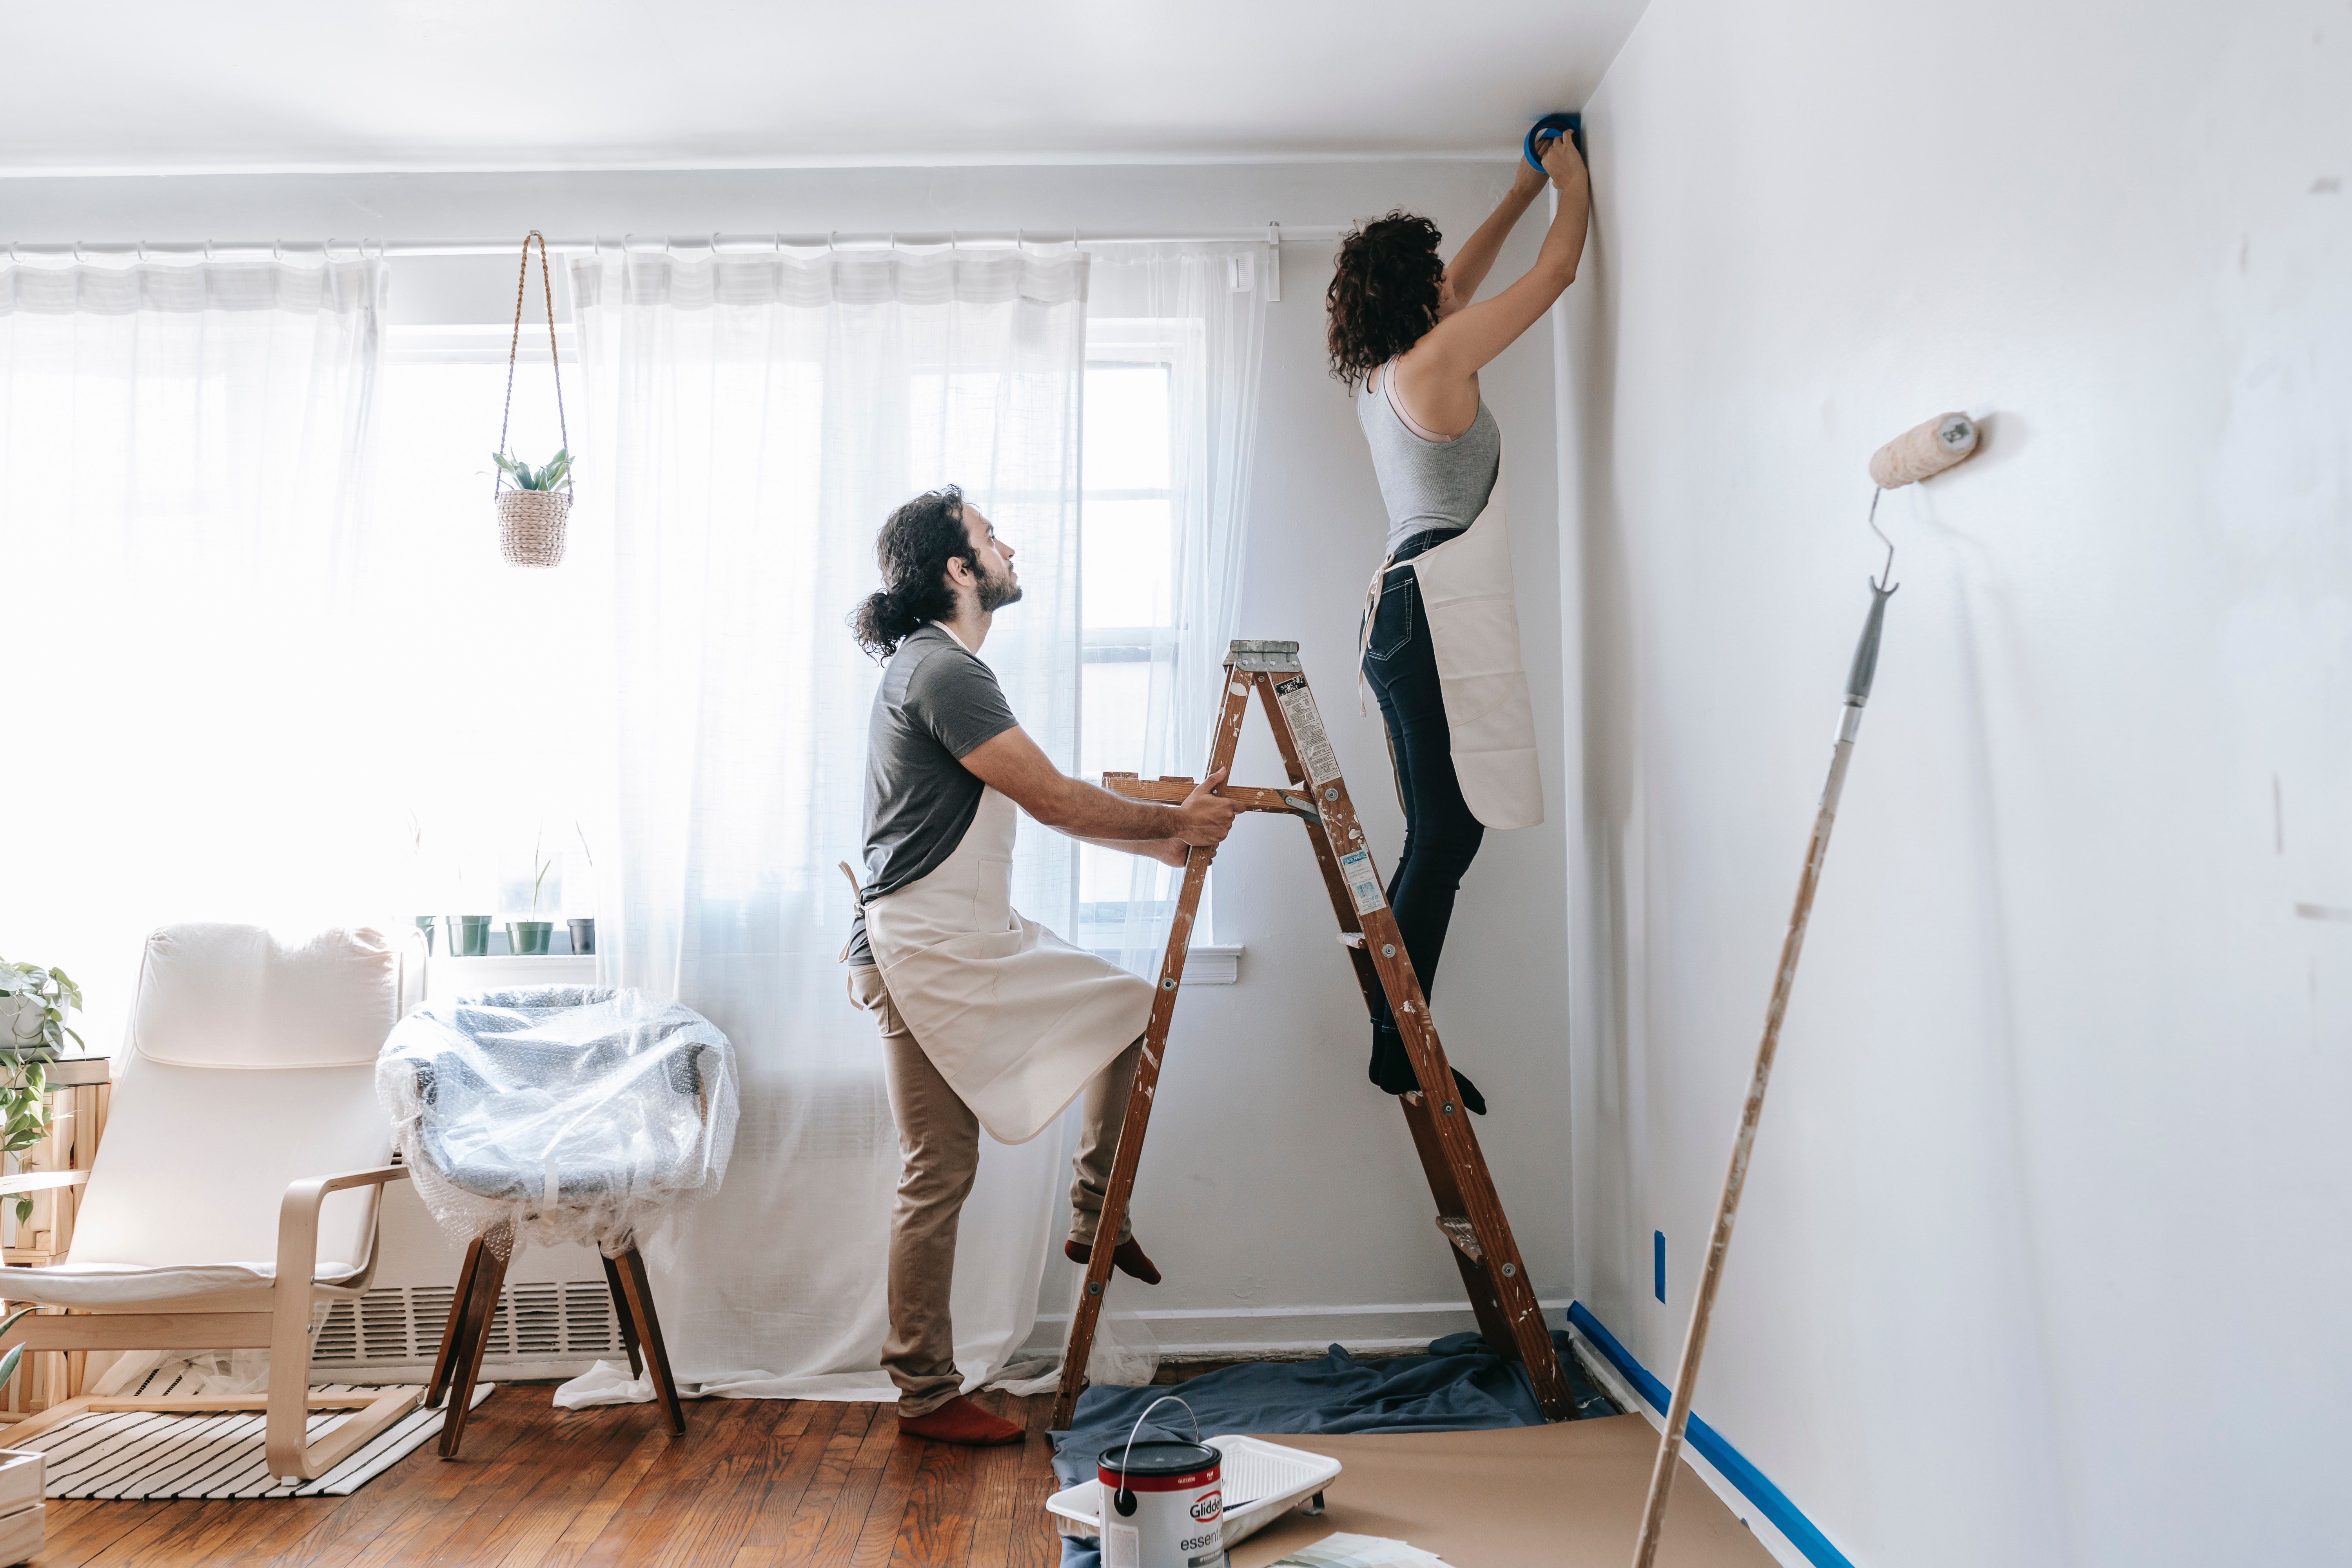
point(1462, 1235)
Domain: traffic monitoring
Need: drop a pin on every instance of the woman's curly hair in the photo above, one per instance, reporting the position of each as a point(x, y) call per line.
point(917, 543)
point(1384, 293)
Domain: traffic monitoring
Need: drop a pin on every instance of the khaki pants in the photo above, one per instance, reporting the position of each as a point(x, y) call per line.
point(939, 1148)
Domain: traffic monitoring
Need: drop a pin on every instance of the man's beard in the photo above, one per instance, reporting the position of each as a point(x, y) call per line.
point(996, 591)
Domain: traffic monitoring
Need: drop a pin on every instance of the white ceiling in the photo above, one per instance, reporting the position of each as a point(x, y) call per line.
point(170, 86)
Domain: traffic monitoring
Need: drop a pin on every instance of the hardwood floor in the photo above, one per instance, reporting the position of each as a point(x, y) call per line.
point(753, 1484)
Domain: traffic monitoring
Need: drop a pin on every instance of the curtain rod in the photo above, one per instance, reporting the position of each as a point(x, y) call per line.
point(744, 244)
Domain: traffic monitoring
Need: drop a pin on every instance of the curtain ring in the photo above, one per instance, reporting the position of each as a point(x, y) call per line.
point(777, 240)
point(208, 253)
point(78, 261)
point(714, 244)
point(831, 249)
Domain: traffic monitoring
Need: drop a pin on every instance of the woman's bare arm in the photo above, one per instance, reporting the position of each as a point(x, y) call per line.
point(1476, 258)
point(1436, 378)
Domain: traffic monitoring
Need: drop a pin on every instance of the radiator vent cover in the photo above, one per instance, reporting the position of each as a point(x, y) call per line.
point(539, 1320)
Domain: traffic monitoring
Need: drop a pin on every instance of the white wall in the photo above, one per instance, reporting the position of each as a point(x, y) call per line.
point(1280, 1193)
point(2042, 1260)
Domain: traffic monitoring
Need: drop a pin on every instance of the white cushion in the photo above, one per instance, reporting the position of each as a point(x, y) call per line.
point(234, 996)
point(197, 1160)
point(181, 1287)
point(200, 1148)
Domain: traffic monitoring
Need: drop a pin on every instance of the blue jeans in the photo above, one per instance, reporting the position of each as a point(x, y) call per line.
point(1440, 835)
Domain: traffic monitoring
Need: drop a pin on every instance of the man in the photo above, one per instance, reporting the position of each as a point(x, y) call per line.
point(987, 1018)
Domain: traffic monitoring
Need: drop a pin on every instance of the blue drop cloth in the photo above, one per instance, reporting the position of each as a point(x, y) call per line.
point(1461, 1386)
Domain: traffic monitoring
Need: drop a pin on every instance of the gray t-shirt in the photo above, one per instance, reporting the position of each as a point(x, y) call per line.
point(937, 704)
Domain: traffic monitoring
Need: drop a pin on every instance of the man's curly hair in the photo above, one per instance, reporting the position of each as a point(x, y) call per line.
point(1383, 294)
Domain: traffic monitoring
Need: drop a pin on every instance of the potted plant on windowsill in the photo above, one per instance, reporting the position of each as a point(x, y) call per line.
point(584, 926)
point(532, 937)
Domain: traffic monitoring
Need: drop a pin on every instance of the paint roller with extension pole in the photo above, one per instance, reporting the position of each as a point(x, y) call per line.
point(1916, 454)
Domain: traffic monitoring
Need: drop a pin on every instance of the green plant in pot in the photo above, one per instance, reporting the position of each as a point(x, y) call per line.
point(584, 926)
point(532, 937)
point(525, 478)
point(34, 1002)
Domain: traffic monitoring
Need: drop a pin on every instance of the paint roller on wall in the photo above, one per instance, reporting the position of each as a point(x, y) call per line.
point(1918, 454)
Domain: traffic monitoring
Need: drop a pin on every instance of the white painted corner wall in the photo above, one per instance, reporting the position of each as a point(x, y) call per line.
point(2041, 1259)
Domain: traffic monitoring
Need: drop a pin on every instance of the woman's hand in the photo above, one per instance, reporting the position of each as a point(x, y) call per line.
point(1561, 162)
point(1529, 181)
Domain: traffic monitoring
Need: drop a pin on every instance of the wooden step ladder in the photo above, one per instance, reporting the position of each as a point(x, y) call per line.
point(1469, 1215)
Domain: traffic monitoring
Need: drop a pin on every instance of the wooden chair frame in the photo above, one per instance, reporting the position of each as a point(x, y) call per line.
point(473, 1308)
point(284, 1330)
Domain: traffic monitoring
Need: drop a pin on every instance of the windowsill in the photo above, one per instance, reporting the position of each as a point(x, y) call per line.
point(447, 976)
point(1205, 963)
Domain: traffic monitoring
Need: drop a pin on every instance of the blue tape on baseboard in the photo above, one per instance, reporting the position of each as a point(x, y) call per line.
point(1769, 1501)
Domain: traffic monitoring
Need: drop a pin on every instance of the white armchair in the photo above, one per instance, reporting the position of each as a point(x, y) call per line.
point(207, 1223)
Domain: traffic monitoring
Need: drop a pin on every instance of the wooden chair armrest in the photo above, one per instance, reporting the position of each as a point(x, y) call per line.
point(298, 1232)
point(310, 1191)
point(41, 1181)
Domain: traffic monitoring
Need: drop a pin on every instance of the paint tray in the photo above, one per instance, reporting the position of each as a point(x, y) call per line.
point(1260, 1481)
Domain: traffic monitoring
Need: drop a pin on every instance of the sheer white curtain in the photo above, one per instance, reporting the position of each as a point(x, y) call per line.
point(1200, 310)
point(194, 718)
point(750, 423)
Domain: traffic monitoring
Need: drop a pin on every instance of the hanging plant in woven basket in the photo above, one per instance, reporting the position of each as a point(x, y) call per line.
point(533, 504)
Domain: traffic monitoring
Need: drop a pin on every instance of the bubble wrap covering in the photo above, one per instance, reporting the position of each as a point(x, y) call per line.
point(560, 1113)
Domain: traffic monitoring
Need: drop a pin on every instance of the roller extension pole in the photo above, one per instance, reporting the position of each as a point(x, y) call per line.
point(1727, 1211)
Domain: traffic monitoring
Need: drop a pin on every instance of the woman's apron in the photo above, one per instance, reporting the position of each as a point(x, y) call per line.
point(1474, 623)
point(1016, 1019)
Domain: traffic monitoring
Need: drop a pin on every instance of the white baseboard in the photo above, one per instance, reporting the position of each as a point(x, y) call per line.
point(1244, 1333)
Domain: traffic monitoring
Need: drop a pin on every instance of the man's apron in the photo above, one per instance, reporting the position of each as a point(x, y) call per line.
point(1474, 623)
point(1016, 1019)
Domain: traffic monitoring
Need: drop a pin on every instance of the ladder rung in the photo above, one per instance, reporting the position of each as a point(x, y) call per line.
point(1462, 1235)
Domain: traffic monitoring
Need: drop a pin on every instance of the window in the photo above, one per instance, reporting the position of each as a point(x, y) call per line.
point(504, 664)
point(1130, 633)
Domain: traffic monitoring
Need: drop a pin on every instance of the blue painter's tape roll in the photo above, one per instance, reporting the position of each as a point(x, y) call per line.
point(1550, 125)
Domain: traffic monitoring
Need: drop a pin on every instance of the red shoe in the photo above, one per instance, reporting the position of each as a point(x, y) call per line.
point(961, 1421)
point(1126, 1258)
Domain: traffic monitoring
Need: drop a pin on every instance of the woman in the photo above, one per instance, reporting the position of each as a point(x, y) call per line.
point(1441, 642)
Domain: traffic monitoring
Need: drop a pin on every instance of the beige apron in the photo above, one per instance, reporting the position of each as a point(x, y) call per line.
point(1016, 1019)
point(1474, 624)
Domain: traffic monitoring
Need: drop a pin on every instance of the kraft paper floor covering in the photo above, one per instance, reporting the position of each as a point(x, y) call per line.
point(1564, 1495)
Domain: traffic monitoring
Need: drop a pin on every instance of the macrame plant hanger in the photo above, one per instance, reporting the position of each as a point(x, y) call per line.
point(530, 522)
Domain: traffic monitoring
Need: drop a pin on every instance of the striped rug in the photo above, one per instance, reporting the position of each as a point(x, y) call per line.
point(148, 1455)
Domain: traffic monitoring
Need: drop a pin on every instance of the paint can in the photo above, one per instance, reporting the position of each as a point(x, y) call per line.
point(1162, 1502)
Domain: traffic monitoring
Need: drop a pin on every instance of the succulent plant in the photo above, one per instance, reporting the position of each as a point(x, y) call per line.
point(527, 478)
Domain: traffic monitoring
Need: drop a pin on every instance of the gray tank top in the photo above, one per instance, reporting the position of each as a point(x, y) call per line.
point(1428, 484)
